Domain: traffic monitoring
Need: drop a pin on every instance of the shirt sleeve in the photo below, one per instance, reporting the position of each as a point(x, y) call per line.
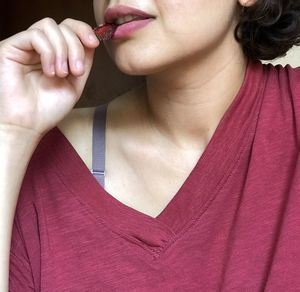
point(29, 232)
point(25, 250)
point(20, 272)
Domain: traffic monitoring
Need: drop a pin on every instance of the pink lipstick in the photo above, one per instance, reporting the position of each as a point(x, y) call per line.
point(117, 11)
point(121, 21)
point(126, 29)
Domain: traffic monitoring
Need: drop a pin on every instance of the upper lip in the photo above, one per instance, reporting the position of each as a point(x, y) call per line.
point(115, 12)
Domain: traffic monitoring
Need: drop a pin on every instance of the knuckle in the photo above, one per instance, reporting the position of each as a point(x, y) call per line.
point(48, 21)
point(75, 24)
point(36, 32)
point(43, 22)
point(85, 26)
point(64, 27)
point(68, 21)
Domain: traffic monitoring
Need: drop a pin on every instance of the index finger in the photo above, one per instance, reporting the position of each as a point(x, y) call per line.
point(84, 32)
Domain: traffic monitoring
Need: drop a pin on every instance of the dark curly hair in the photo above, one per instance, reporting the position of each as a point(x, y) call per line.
point(269, 28)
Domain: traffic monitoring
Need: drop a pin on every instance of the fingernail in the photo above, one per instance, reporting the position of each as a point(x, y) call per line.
point(92, 37)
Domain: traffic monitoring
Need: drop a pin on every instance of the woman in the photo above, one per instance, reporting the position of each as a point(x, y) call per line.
point(202, 177)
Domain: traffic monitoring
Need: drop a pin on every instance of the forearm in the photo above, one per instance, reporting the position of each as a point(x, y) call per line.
point(16, 148)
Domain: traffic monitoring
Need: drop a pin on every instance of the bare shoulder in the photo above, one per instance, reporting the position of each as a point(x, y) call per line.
point(77, 122)
point(77, 128)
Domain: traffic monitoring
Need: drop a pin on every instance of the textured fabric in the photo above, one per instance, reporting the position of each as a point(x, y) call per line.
point(234, 225)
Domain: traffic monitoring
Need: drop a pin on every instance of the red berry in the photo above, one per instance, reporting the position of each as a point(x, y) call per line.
point(105, 32)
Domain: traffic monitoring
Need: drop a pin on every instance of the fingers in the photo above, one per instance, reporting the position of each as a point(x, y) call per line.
point(62, 47)
point(84, 32)
point(20, 47)
point(59, 47)
point(77, 40)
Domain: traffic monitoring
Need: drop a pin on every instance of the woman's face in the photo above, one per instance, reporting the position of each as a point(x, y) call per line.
point(182, 31)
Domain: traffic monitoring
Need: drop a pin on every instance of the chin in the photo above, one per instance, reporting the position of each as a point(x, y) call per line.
point(137, 71)
point(138, 62)
point(137, 68)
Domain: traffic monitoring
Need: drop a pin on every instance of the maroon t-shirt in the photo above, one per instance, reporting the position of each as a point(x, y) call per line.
point(234, 225)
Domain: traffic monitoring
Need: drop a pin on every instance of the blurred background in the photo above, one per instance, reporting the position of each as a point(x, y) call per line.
point(105, 81)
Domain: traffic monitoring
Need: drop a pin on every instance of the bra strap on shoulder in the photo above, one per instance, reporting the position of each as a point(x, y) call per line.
point(99, 126)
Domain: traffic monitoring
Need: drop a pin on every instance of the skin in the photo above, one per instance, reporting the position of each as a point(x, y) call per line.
point(193, 66)
point(37, 92)
point(193, 69)
point(165, 126)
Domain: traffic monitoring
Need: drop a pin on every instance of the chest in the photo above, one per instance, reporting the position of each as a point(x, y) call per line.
point(146, 183)
point(141, 175)
point(245, 239)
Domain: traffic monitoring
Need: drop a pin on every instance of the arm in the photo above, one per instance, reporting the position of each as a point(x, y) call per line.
point(40, 82)
point(16, 149)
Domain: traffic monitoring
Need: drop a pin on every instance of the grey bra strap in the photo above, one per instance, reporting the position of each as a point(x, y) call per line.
point(99, 126)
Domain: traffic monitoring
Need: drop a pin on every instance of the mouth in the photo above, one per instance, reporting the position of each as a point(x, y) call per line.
point(121, 14)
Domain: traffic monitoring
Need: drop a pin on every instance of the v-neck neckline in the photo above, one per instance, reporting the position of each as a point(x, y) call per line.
point(207, 178)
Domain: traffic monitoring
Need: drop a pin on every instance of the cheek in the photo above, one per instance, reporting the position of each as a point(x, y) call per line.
point(199, 27)
point(203, 18)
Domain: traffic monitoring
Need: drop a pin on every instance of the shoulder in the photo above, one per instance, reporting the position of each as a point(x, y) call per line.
point(285, 75)
point(283, 82)
point(77, 123)
point(280, 107)
point(77, 128)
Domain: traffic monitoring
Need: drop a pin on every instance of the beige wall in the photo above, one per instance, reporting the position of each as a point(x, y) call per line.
point(293, 58)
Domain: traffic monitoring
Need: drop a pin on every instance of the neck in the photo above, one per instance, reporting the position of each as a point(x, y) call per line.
point(186, 105)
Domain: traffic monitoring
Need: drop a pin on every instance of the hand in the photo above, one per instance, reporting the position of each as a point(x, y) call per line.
point(43, 71)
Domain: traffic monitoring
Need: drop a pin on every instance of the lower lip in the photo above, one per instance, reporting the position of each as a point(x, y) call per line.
point(126, 29)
